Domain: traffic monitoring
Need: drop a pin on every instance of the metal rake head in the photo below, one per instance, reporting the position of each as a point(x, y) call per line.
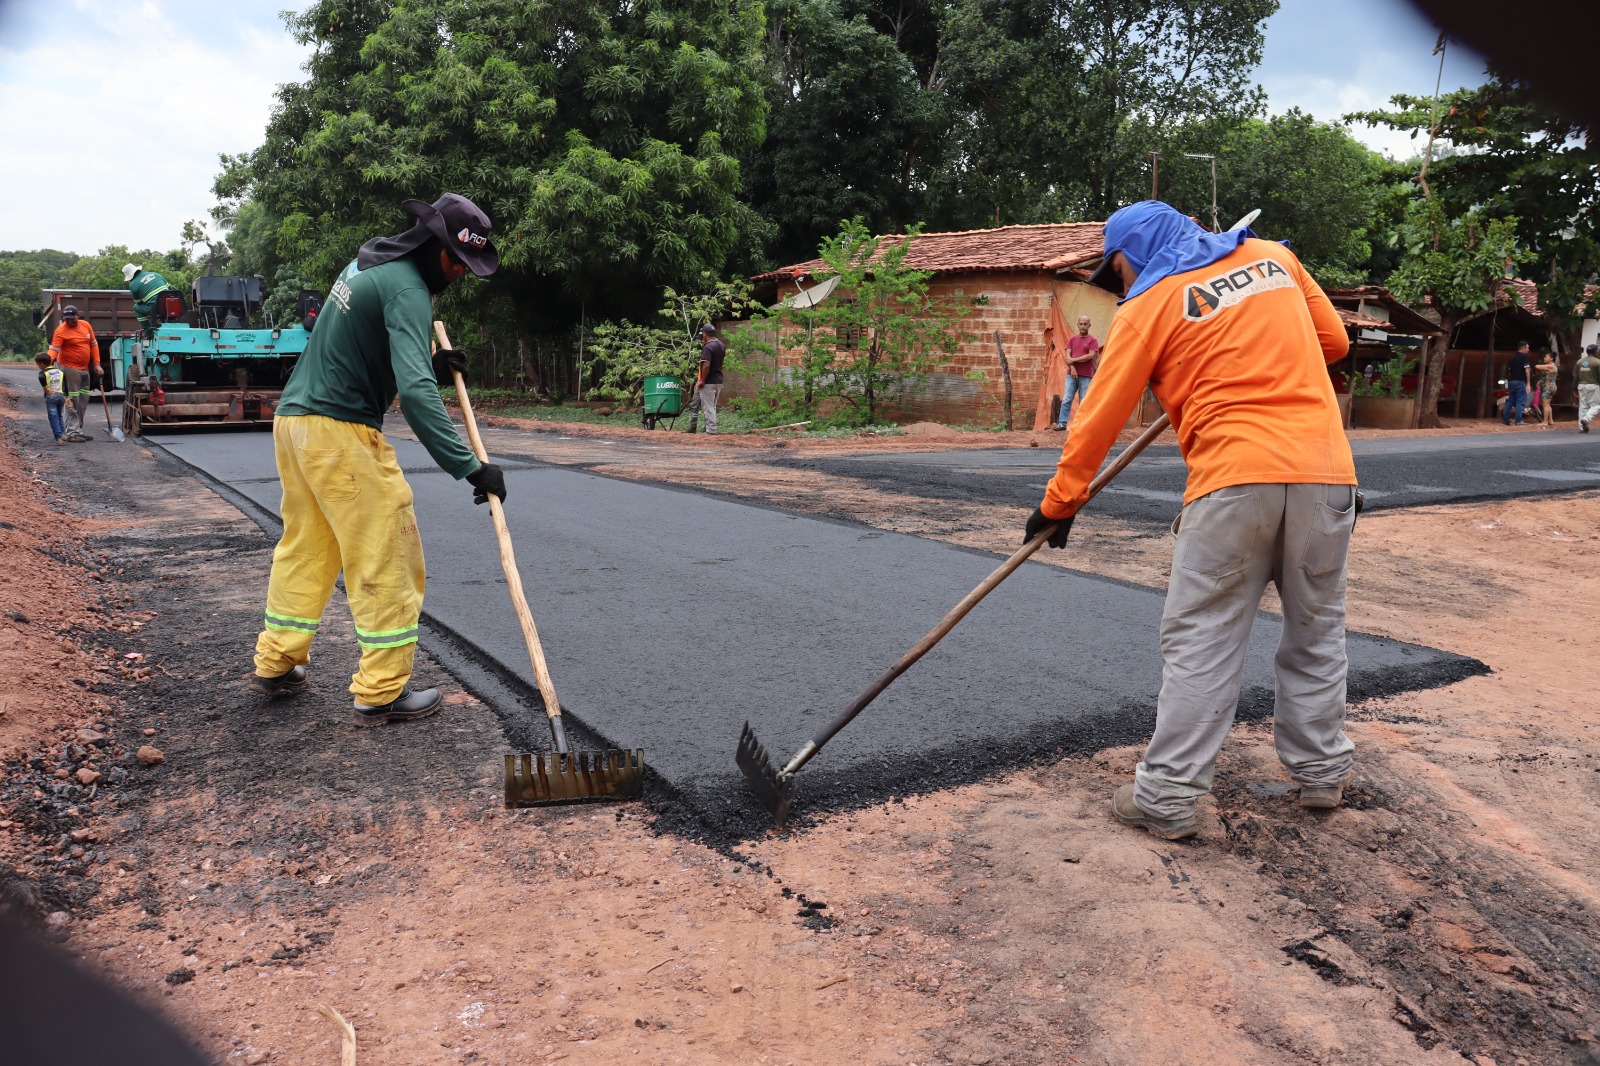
point(773, 788)
point(581, 777)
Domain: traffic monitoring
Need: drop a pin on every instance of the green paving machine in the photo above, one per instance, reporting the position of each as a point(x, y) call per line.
point(206, 365)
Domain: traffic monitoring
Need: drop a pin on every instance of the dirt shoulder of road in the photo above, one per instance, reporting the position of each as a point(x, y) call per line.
point(920, 436)
point(277, 857)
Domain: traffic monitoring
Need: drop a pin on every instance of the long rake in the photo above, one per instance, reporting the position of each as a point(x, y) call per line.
point(776, 788)
point(537, 779)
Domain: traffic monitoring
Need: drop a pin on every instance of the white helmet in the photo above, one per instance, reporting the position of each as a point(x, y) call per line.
point(129, 271)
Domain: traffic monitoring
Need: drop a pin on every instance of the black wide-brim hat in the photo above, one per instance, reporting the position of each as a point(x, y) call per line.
point(462, 227)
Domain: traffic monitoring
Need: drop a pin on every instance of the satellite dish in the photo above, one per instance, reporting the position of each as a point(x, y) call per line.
point(1246, 220)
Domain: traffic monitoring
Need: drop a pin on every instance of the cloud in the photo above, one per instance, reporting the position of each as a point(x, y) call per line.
point(113, 116)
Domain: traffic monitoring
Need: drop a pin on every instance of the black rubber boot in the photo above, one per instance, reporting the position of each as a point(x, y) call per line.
point(403, 708)
point(285, 684)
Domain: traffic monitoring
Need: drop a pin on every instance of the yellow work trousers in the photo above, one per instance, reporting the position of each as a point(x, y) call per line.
point(346, 505)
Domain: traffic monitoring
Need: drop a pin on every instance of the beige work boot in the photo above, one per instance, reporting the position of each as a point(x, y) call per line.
point(1325, 797)
point(1129, 812)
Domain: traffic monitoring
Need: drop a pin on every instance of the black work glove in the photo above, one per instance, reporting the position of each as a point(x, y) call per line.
point(1037, 522)
point(488, 480)
point(446, 360)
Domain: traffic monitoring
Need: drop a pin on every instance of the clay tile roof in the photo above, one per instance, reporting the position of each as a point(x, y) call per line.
point(1353, 320)
point(1044, 247)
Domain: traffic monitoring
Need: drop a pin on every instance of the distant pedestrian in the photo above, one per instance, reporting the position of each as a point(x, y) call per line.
point(708, 379)
point(1083, 356)
point(1234, 337)
point(346, 503)
point(53, 381)
point(1547, 371)
point(75, 349)
point(1519, 380)
point(1587, 374)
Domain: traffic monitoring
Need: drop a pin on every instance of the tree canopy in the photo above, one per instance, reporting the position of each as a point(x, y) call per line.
point(601, 139)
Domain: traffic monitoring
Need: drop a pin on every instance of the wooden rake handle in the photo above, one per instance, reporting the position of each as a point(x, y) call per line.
point(508, 564)
point(971, 600)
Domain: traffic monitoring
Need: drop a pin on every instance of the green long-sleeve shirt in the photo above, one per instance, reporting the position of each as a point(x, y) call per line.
point(372, 343)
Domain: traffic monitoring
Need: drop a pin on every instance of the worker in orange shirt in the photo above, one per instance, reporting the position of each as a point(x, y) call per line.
point(75, 349)
point(1233, 337)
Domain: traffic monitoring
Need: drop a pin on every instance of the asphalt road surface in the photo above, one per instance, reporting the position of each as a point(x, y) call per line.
point(671, 617)
point(1393, 472)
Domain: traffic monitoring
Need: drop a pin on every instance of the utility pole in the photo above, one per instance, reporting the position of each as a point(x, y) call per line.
point(1216, 223)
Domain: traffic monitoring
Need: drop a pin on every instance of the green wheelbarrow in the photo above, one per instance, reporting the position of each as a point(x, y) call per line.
point(663, 400)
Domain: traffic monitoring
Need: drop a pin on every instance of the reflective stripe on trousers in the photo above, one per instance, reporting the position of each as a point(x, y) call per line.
point(346, 505)
point(1230, 544)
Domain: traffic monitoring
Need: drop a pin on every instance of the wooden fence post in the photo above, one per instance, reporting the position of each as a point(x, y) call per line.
point(1005, 370)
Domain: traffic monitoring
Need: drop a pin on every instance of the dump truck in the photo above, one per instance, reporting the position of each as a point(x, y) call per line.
point(198, 363)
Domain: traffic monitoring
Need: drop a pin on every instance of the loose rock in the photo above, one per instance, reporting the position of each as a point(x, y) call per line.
point(150, 756)
point(87, 777)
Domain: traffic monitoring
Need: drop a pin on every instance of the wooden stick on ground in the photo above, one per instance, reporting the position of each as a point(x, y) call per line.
point(347, 1034)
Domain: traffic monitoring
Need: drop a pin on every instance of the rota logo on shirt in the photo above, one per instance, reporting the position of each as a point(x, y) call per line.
point(466, 236)
point(1206, 298)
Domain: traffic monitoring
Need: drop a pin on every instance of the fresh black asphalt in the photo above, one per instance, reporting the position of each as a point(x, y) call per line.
point(671, 617)
point(1406, 472)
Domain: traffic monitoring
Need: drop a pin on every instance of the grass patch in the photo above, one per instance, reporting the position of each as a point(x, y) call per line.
point(729, 419)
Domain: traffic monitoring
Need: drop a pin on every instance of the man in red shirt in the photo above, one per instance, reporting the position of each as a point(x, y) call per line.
point(75, 349)
point(1083, 355)
point(1234, 338)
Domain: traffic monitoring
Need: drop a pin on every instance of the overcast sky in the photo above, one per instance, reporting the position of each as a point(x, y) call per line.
point(113, 112)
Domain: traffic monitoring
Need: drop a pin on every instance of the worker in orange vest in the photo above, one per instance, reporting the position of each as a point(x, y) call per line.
point(75, 349)
point(1234, 337)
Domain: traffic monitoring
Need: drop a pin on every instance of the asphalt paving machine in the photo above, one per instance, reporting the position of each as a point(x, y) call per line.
point(205, 364)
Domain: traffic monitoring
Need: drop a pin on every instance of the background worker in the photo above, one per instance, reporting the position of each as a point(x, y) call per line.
point(346, 503)
point(1234, 338)
point(53, 382)
point(1586, 372)
point(145, 285)
point(708, 378)
point(1083, 355)
point(75, 349)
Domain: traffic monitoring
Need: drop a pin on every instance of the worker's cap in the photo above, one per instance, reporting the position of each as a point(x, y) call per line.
point(1592, 349)
point(69, 312)
point(129, 271)
point(707, 330)
point(462, 227)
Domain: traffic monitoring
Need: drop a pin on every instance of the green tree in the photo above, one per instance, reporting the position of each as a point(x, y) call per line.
point(1458, 262)
point(855, 125)
point(1510, 156)
point(1316, 186)
point(602, 139)
point(623, 354)
point(876, 336)
point(1059, 104)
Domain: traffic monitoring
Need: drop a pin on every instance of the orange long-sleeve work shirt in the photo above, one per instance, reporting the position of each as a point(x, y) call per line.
point(1237, 353)
point(75, 345)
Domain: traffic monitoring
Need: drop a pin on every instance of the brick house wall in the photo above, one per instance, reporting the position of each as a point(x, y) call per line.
point(969, 388)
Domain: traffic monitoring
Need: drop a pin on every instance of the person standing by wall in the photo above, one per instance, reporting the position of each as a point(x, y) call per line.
point(1519, 379)
point(75, 348)
point(1083, 356)
point(1587, 375)
point(708, 379)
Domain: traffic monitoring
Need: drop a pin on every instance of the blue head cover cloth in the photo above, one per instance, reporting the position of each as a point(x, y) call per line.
point(1159, 240)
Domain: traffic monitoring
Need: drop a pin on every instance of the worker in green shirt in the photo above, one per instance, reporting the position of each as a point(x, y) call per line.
point(346, 504)
point(145, 285)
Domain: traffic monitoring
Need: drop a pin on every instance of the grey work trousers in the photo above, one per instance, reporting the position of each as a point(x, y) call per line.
point(1588, 403)
point(705, 399)
point(75, 383)
point(1230, 544)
